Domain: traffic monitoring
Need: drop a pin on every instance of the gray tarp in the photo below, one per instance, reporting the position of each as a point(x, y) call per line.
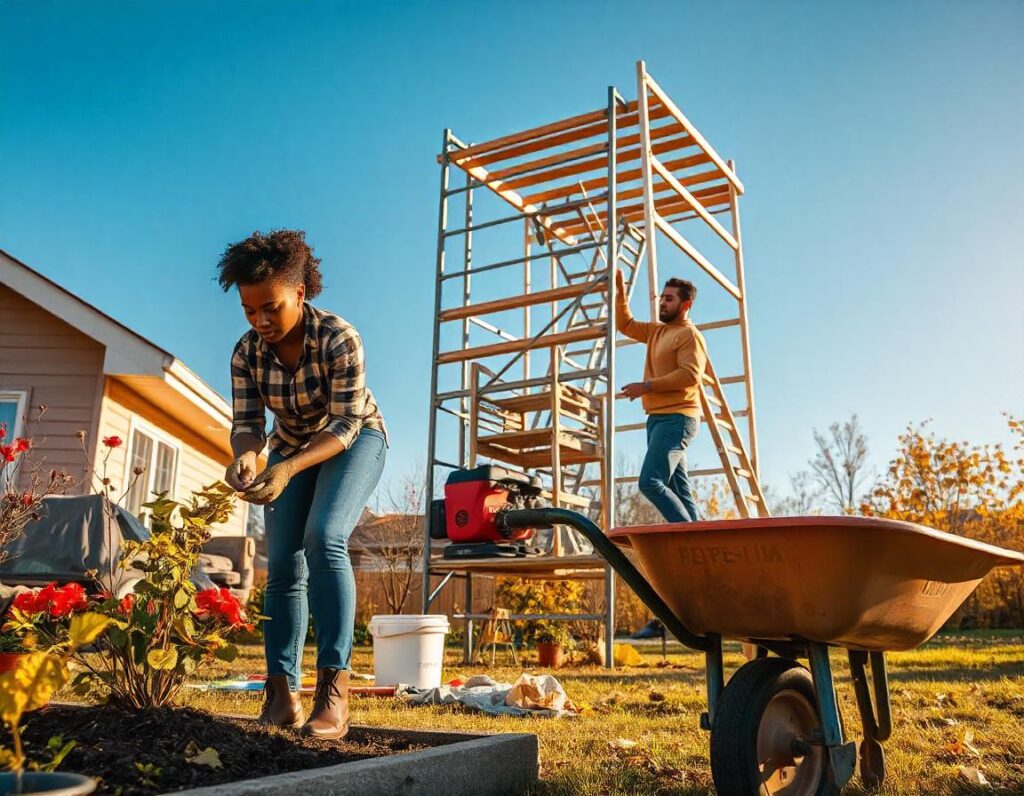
point(70, 538)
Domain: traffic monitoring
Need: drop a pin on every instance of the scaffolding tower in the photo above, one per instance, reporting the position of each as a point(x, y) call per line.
point(573, 201)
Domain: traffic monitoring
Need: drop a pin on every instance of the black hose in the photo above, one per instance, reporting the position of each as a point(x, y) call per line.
point(518, 519)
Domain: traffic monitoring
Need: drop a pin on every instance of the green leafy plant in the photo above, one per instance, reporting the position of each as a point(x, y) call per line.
point(554, 633)
point(165, 629)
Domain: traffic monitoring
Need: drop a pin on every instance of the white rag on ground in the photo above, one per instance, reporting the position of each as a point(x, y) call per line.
point(530, 695)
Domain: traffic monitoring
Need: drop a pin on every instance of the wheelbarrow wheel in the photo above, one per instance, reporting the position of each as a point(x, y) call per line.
point(765, 717)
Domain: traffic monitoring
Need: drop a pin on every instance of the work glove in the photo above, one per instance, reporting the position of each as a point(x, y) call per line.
point(269, 484)
point(241, 472)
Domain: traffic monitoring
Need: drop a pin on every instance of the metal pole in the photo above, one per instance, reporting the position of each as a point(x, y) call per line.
point(650, 213)
point(467, 641)
point(466, 288)
point(442, 222)
point(734, 209)
point(608, 498)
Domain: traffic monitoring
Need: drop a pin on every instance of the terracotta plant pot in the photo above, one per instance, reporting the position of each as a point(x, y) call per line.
point(48, 783)
point(9, 661)
point(550, 654)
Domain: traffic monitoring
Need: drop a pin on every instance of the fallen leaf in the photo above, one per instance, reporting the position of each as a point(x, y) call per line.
point(622, 743)
point(656, 696)
point(972, 775)
point(205, 757)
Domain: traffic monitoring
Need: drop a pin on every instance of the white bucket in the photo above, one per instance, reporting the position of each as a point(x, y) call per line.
point(408, 649)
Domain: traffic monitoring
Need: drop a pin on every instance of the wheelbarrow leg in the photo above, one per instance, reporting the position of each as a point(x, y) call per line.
point(842, 757)
point(876, 719)
point(714, 677)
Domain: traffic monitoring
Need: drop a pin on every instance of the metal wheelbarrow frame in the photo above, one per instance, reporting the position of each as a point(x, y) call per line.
point(808, 706)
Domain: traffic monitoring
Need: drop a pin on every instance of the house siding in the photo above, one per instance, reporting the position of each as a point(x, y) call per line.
point(199, 463)
point(61, 368)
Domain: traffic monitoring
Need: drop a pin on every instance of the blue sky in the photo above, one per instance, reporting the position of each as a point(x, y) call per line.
point(879, 144)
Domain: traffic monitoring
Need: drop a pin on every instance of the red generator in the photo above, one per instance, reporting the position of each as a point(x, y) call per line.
point(472, 501)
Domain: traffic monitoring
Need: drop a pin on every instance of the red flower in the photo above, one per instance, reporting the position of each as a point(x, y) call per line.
point(3, 430)
point(26, 499)
point(55, 601)
point(112, 442)
point(21, 445)
point(221, 603)
point(126, 604)
point(7, 453)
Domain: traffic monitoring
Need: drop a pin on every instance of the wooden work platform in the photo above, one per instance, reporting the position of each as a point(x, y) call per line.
point(578, 567)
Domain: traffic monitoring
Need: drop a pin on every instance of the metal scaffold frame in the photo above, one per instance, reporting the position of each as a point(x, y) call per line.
point(591, 190)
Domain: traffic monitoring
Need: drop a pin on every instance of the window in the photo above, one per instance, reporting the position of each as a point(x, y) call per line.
point(158, 460)
point(13, 405)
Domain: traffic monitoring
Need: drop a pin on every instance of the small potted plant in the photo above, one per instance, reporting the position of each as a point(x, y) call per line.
point(553, 643)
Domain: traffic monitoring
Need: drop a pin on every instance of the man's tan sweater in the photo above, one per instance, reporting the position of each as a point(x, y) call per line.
point(676, 356)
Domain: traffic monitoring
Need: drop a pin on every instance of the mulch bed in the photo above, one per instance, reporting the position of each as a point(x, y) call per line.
point(144, 753)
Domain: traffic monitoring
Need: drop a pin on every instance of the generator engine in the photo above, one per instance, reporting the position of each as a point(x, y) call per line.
point(474, 498)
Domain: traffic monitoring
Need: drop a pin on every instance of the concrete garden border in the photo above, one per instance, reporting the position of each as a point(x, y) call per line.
point(457, 764)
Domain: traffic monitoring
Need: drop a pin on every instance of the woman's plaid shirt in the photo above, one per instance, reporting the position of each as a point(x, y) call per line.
point(327, 392)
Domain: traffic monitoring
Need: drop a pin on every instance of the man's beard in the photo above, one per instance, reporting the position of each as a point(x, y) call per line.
point(667, 317)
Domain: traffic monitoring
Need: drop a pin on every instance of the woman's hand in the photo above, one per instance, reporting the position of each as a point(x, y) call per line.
point(269, 485)
point(242, 471)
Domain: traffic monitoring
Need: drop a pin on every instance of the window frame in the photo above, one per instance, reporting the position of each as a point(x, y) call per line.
point(157, 435)
point(19, 397)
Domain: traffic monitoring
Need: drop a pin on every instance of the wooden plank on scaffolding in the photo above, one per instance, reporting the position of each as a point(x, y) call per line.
point(600, 183)
point(697, 257)
point(624, 120)
point(622, 143)
point(527, 300)
point(715, 199)
point(515, 346)
point(672, 108)
point(595, 164)
point(528, 135)
point(514, 199)
point(699, 208)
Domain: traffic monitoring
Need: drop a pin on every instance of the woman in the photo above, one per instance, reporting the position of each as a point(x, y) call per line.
point(327, 451)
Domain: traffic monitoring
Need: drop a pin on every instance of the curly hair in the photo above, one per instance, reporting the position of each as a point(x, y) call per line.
point(281, 254)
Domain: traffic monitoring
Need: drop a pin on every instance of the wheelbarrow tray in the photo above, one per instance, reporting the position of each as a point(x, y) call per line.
point(860, 583)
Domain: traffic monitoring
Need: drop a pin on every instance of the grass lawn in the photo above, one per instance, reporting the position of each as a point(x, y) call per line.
point(972, 682)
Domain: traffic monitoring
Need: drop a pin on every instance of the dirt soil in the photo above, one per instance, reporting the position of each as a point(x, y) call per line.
point(145, 753)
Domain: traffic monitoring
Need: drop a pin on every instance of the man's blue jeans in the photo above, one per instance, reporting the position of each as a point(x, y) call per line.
point(663, 478)
point(308, 527)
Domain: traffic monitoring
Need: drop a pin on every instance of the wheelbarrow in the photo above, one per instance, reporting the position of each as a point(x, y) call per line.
point(792, 587)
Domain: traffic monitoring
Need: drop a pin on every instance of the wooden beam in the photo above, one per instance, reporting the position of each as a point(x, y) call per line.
point(526, 300)
point(549, 142)
point(672, 108)
point(598, 183)
point(665, 206)
point(635, 193)
point(679, 188)
point(696, 256)
point(595, 164)
point(515, 346)
point(514, 199)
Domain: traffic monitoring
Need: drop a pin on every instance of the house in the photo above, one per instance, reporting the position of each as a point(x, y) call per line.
point(97, 375)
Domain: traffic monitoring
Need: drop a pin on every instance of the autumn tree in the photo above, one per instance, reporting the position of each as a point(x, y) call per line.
point(969, 490)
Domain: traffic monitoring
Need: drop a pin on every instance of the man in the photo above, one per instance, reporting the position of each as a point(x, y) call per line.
point(673, 368)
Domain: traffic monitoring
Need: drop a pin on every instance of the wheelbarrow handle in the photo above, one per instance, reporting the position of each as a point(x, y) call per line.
point(518, 519)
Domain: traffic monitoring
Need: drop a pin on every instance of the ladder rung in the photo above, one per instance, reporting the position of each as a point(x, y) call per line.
point(733, 379)
point(753, 498)
point(743, 473)
point(723, 423)
point(734, 449)
point(709, 471)
point(713, 400)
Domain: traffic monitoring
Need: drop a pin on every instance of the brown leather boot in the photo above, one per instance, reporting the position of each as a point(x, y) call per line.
point(282, 707)
point(329, 717)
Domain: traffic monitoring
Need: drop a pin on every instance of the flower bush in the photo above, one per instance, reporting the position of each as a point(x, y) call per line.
point(23, 485)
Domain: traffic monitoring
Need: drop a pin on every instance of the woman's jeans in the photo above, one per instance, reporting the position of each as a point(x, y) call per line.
point(308, 527)
point(663, 479)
